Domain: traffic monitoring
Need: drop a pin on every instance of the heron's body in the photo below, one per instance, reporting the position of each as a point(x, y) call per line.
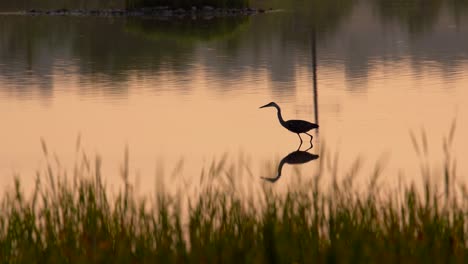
point(299, 126)
point(295, 126)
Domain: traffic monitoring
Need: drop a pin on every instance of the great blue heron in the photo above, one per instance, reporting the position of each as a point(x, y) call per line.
point(295, 157)
point(295, 126)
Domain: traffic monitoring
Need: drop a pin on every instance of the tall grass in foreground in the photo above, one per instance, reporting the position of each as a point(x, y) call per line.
point(78, 222)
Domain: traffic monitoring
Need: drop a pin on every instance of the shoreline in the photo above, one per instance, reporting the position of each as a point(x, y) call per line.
point(206, 11)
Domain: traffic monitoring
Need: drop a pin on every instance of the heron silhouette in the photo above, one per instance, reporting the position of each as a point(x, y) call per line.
point(295, 157)
point(295, 126)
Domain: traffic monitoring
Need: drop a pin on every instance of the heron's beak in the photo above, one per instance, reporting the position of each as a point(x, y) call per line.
point(264, 106)
point(272, 180)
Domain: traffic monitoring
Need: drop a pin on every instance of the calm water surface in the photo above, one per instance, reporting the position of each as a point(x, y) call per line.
point(183, 93)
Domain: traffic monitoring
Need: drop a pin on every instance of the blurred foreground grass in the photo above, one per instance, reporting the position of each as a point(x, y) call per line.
point(77, 221)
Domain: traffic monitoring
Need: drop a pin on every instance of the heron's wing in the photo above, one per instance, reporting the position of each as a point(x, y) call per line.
point(298, 122)
point(301, 125)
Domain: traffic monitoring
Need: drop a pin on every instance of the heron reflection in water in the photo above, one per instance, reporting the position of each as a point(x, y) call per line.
point(295, 126)
point(295, 157)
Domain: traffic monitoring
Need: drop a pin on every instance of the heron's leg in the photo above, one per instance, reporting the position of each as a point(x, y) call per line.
point(299, 137)
point(311, 146)
point(311, 137)
point(298, 148)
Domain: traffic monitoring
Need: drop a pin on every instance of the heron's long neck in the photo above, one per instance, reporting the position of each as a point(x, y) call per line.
point(280, 168)
point(280, 118)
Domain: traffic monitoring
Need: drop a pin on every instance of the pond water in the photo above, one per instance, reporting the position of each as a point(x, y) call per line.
point(181, 93)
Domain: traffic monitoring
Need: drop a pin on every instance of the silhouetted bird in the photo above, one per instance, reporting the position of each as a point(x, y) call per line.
point(296, 126)
point(295, 157)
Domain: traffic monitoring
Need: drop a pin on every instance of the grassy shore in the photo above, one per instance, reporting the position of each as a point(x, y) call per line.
point(76, 221)
point(187, 3)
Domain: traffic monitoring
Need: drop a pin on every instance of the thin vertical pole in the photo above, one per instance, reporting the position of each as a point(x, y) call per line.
point(314, 74)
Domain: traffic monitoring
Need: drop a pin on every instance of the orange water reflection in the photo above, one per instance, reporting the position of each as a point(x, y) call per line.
point(202, 125)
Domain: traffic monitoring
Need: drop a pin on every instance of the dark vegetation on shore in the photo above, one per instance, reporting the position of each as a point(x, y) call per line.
point(188, 4)
point(206, 12)
point(162, 8)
